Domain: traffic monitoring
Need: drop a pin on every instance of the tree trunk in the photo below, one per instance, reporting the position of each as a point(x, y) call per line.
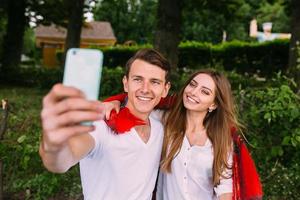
point(13, 39)
point(294, 52)
point(75, 21)
point(167, 36)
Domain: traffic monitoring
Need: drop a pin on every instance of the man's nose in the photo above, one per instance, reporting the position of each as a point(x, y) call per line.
point(145, 86)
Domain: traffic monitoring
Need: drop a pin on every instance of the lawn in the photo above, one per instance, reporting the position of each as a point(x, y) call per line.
point(24, 176)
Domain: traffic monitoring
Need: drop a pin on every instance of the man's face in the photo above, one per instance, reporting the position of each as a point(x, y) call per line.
point(145, 84)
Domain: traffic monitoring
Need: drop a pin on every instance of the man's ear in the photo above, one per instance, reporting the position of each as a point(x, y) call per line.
point(125, 83)
point(166, 89)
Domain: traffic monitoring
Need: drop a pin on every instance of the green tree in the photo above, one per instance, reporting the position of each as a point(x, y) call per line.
point(275, 12)
point(130, 19)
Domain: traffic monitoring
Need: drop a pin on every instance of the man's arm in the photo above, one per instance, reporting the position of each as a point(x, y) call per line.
point(226, 196)
point(253, 28)
point(65, 141)
point(284, 35)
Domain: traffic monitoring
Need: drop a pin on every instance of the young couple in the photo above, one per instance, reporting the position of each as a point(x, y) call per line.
point(119, 158)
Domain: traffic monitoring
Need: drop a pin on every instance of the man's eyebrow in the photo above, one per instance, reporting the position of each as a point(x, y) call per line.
point(156, 79)
point(136, 76)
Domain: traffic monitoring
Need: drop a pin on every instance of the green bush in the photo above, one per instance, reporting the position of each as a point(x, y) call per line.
point(250, 57)
point(24, 175)
point(111, 81)
point(272, 114)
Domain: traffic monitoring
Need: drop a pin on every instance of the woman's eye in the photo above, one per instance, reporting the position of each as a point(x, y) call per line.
point(192, 84)
point(205, 92)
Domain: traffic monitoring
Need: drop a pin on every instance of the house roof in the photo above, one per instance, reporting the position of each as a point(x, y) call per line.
point(90, 30)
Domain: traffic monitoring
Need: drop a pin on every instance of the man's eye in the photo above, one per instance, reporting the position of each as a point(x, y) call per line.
point(137, 79)
point(155, 82)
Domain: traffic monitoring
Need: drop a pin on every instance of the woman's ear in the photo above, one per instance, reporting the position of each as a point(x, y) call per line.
point(212, 107)
point(125, 83)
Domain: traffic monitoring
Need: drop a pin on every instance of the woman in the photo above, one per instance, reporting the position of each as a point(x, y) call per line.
point(197, 152)
point(197, 155)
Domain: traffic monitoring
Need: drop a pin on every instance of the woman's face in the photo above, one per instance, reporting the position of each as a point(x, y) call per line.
point(199, 95)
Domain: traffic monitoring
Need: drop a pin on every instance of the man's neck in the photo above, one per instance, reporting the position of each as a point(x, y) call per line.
point(142, 116)
point(144, 131)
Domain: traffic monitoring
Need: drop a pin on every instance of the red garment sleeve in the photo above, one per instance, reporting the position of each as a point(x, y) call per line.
point(167, 102)
point(118, 97)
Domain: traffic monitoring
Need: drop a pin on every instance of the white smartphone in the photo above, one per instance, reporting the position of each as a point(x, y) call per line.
point(83, 68)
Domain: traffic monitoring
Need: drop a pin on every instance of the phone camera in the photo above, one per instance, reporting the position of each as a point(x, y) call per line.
point(74, 52)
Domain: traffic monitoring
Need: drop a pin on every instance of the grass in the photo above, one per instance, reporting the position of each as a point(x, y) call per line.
point(24, 176)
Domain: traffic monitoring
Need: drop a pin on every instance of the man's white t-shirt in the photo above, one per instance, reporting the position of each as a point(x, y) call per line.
point(122, 166)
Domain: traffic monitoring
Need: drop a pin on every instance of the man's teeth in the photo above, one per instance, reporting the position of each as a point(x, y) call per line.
point(144, 98)
point(192, 100)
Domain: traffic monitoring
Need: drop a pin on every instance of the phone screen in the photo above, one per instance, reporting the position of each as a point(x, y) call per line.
point(83, 70)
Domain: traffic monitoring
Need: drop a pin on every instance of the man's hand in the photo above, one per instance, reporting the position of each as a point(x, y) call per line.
point(64, 108)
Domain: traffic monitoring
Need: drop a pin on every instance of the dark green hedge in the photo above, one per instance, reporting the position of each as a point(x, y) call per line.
point(250, 57)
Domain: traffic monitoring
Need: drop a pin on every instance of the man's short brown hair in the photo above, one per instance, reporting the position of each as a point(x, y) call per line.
point(153, 57)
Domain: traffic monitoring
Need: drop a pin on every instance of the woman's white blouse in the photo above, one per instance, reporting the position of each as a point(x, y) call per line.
point(191, 176)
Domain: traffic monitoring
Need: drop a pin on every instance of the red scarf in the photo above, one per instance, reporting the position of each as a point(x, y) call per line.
point(124, 120)
point(246, 183)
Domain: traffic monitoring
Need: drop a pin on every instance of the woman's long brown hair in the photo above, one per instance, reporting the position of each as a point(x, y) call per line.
point(218, 124)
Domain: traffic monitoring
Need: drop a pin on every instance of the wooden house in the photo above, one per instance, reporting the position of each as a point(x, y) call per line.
point(52, 38)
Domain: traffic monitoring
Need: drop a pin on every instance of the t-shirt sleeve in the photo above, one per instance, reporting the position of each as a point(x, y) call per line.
point(225, 185)
point(100, 136)
point(157, 114)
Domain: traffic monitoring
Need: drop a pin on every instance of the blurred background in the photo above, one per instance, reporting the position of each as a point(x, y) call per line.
point(192, 34)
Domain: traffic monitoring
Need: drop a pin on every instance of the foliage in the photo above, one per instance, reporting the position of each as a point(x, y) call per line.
point(111, 81)
point(274, 12)
point(272, 114)
point(245, 57)
point(24, 176)
point(131, 20)
point(201, 20)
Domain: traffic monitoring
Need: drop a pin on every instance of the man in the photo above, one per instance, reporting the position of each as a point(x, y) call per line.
point(267, 35)
point(112, 166)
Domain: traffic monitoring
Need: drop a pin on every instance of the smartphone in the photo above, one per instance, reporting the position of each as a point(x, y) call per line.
point(83, 68)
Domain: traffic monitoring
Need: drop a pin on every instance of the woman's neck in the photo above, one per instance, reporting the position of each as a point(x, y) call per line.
point(195, 121)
